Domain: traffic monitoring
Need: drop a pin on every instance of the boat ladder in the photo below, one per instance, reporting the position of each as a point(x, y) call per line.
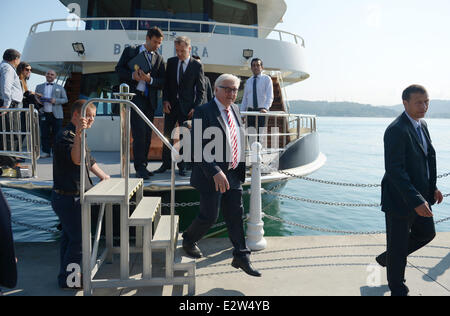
point(154, 231)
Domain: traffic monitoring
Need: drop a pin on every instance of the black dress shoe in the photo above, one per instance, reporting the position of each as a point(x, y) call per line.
point(245, 265)
point(162, 169)
point(182, 173)
point(149, 173)
point(141, 174)
point(381, 260)
point(192, 250)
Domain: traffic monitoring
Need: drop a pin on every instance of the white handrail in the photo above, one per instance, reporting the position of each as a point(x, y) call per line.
point(33, 28)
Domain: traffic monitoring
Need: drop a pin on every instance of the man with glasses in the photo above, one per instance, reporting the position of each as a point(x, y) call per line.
point(219, 178)
point(53, 98)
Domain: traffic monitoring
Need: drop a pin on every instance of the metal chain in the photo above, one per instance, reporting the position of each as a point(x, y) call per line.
point(269, 168)
point(47, 230)
point(323, 230)
point(25, 199)
point(326, 230)
point(321, 202)
point(187, 204)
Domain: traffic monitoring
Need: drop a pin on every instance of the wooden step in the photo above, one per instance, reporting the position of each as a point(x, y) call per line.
point(161, 238)
point(148, 210)
point(112, 190)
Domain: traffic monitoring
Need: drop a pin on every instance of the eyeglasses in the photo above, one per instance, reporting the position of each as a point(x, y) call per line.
point(229, 90)
point(28, 69)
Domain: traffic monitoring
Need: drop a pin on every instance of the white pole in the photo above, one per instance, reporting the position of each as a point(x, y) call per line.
point(255, 225)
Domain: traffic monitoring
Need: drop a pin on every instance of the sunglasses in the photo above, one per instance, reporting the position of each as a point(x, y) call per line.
point(27, 69)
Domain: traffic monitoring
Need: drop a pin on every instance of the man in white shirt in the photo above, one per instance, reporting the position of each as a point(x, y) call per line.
point(258, 94)
point(11, 96)
point(53, 98)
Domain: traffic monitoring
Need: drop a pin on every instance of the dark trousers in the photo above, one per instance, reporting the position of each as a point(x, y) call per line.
point(68, 210)
point(170, 122)
point(232, 209)
point(252, 119)
point(142, 133)
point(50, 126)
point(404, 236)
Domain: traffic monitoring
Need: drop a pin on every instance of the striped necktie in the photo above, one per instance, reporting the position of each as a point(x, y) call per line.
point(234, 140)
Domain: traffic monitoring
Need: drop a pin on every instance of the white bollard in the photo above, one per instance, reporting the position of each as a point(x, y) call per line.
point(255, 224)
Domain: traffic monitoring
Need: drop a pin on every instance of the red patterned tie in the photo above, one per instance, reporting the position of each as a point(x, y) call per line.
point(234, 140)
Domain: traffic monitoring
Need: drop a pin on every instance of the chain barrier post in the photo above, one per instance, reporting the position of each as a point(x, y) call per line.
point(255, 224)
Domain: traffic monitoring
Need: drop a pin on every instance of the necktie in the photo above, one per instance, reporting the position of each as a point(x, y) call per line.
point(148, 56)
point(234, 140)
point(418, 130)
point(255, 93)
point(180, 73)
point(50, 84)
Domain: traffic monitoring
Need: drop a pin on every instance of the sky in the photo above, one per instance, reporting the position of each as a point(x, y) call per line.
point(364, 51)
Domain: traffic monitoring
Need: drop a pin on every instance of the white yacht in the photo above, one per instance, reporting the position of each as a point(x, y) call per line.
point(85, 47)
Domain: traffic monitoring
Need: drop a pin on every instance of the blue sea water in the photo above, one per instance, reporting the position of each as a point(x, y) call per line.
point(354, 150)
point(355, 154)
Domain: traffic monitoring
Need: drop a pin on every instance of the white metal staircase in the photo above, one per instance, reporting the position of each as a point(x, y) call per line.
point(154, 231)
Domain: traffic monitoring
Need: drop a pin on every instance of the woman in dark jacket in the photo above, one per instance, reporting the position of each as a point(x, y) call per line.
point(29, 97)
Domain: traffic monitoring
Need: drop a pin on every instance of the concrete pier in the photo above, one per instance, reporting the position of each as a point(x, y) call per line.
point(291, 266)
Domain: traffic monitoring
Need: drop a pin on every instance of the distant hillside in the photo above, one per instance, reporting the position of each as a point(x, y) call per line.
point(438, 109)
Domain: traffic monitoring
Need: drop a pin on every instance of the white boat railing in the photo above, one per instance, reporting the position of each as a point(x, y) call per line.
point(170, 26)
point(276, 137)
point(15, 136)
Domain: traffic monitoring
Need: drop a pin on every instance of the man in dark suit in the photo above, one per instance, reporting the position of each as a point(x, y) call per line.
point(219, 176)
point(146, 87)
point(183, 92)
point(408, 187)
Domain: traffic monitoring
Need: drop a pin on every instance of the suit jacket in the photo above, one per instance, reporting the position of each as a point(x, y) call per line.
point(158, 73)
point(190, 92)
point(59, 94)
point(406, 185)
point(203, 172)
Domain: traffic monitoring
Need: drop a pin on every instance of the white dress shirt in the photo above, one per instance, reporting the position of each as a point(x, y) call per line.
point(10, 86)
point(264, 88)
point(225, 118)
point(48, 106)
point(142, 83)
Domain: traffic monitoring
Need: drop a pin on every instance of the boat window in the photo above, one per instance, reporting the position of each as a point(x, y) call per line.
point(223, 11)
point(104, 85)
point(108, 9)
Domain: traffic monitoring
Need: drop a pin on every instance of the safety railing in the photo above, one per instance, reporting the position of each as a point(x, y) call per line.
point(125, 108)
point(291, 128)
point(167, 25)
point(19, 134)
